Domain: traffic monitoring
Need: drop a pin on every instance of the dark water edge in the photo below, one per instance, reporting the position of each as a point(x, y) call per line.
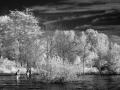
point(85, 82)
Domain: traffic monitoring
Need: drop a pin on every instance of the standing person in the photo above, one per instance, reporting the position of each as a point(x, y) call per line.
point(18, 75)
point(28, 73)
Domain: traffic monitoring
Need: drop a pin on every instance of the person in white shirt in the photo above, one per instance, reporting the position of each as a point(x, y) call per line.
point(18, 75)
point(28, 73)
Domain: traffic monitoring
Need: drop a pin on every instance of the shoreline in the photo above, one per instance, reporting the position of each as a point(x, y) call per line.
point(104, 74)
point(62, 80)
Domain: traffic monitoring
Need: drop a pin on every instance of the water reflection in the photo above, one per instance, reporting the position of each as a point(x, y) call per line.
point(87, 82)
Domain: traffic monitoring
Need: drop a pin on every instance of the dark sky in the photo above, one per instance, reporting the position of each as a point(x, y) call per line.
point(6, 5)
point(99, 14)
point(12, 4)
point(19, 4)
point(58, 6)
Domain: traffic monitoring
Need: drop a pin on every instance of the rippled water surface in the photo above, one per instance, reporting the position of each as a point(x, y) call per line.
point(87, 82)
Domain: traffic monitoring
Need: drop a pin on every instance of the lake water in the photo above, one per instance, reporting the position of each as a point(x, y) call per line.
point(87, 82)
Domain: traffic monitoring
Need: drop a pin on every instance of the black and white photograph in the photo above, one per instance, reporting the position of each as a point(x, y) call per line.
point(60, 45)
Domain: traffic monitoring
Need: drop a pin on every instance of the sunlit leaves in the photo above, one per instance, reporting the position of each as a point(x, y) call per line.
point(20, 30)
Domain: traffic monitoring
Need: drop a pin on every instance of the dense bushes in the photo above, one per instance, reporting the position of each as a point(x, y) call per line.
point(59, 70)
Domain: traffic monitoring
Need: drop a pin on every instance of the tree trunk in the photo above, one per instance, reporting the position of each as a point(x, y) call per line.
point(84, 59)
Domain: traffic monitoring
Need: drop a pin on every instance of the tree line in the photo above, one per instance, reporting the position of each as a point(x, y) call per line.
point(23, 40)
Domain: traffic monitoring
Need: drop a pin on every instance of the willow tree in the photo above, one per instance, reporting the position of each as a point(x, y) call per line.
point(23, 29)
point(5, 42)
point(82, 47)
point(64, 44)
point(114, 58)
point(100, 45)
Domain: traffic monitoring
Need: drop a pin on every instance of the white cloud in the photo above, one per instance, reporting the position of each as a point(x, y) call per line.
point(91, 1)
point(78, 1)
point(47, 8)
point(75, 8)
point(104, 6)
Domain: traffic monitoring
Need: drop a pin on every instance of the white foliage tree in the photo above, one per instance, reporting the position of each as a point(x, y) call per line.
point(23, 29)
point(64, 44)
point(100, 45)
point(114, 58)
